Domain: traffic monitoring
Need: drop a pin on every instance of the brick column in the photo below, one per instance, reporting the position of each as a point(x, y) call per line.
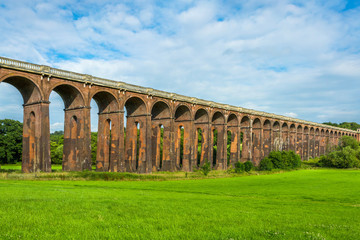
point(77, 138)
point(36, 138)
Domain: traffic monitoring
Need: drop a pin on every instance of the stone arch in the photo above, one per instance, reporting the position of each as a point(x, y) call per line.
point(136, 147)
point(183, 135)
point(201, 116)
point(161, 136)
point(76, 152)
point(110, 128)
point(160, 110)
point(135, 106)
point(106, 101)
point(202, 136)
point(36, 128)
point(71, 95)
point(218, 140)
point(232, 120)
point(218, 118)
point(29, 90)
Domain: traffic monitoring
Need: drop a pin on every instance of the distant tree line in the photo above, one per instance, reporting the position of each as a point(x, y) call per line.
point(348, 125)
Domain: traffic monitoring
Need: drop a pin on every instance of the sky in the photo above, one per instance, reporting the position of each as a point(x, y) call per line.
point(294, 58)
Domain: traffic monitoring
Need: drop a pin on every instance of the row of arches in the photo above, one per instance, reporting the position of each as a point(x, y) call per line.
point(142, 133)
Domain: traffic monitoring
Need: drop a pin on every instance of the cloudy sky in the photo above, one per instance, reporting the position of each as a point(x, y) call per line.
point(294, 58)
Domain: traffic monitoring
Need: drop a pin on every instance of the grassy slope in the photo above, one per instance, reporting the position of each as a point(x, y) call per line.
point(306, 204)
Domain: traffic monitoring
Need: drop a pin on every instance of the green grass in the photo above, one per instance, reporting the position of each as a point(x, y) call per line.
point(303, 204)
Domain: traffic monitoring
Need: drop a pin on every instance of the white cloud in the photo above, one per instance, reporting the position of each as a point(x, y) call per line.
point(277, 57)
point(291, 114)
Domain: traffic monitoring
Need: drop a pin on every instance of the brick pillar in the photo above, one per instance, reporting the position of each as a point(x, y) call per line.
point(108, 144)
point(322, 143)
point(266, 141)
point(306, 146)
point(138, 154)
point(246, 145)
point(299, 142)
point(77, 139)
point(292, 139)
point(311, 144)
point(317, 144)
point(234, 145)
point(256, 145)
point(36, 138)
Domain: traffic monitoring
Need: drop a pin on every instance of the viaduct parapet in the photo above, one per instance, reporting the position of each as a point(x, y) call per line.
point(164, 131)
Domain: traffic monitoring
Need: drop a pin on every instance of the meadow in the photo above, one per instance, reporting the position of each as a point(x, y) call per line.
point(301, 204)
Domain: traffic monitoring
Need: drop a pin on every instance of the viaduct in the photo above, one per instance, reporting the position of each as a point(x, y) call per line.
point(164, 131)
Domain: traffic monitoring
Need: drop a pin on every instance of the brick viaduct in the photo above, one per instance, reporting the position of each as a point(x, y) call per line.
point(155, 120)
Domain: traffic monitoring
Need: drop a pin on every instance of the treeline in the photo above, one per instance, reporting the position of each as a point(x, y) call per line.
point(10, 141)
point(348, 125)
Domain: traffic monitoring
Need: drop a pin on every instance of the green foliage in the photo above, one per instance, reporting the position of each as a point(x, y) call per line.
point(347, 155)
point(93, 147)
point(10, 141)
point(266, 164)
point(344, 158)
point(206, 167)
point(347, 141)
point(56, 151)
point(283, 160)
point(248, 166)
point(239, 167)
point(349, 125)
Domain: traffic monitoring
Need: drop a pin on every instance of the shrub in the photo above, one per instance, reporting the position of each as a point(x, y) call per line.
point(294, 159)
point(266, 165)
point(248, 166)
point(277, 159)
point(347, 141)
point(206, 168)
point(239, 167)
point(345, 158)
point(281, 160)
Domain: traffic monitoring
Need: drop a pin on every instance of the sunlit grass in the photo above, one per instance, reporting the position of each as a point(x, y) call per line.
point(303, 204)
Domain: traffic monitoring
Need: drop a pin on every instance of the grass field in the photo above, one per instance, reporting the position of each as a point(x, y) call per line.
point(303, 204)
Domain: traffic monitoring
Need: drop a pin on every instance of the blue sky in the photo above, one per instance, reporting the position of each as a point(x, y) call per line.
point(294, 58)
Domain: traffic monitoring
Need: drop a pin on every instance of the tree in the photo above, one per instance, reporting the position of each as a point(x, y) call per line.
point(10, 141)
point(348, 125)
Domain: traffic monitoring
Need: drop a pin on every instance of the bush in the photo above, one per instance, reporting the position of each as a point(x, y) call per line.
point(266, 165)
point(281, 160)
point(347, 141)
point(206, 168)
point(248, 166)
point(239, 167)
point(345, 158)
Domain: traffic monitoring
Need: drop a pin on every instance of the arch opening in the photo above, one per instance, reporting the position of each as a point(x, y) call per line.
point(199, 146)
